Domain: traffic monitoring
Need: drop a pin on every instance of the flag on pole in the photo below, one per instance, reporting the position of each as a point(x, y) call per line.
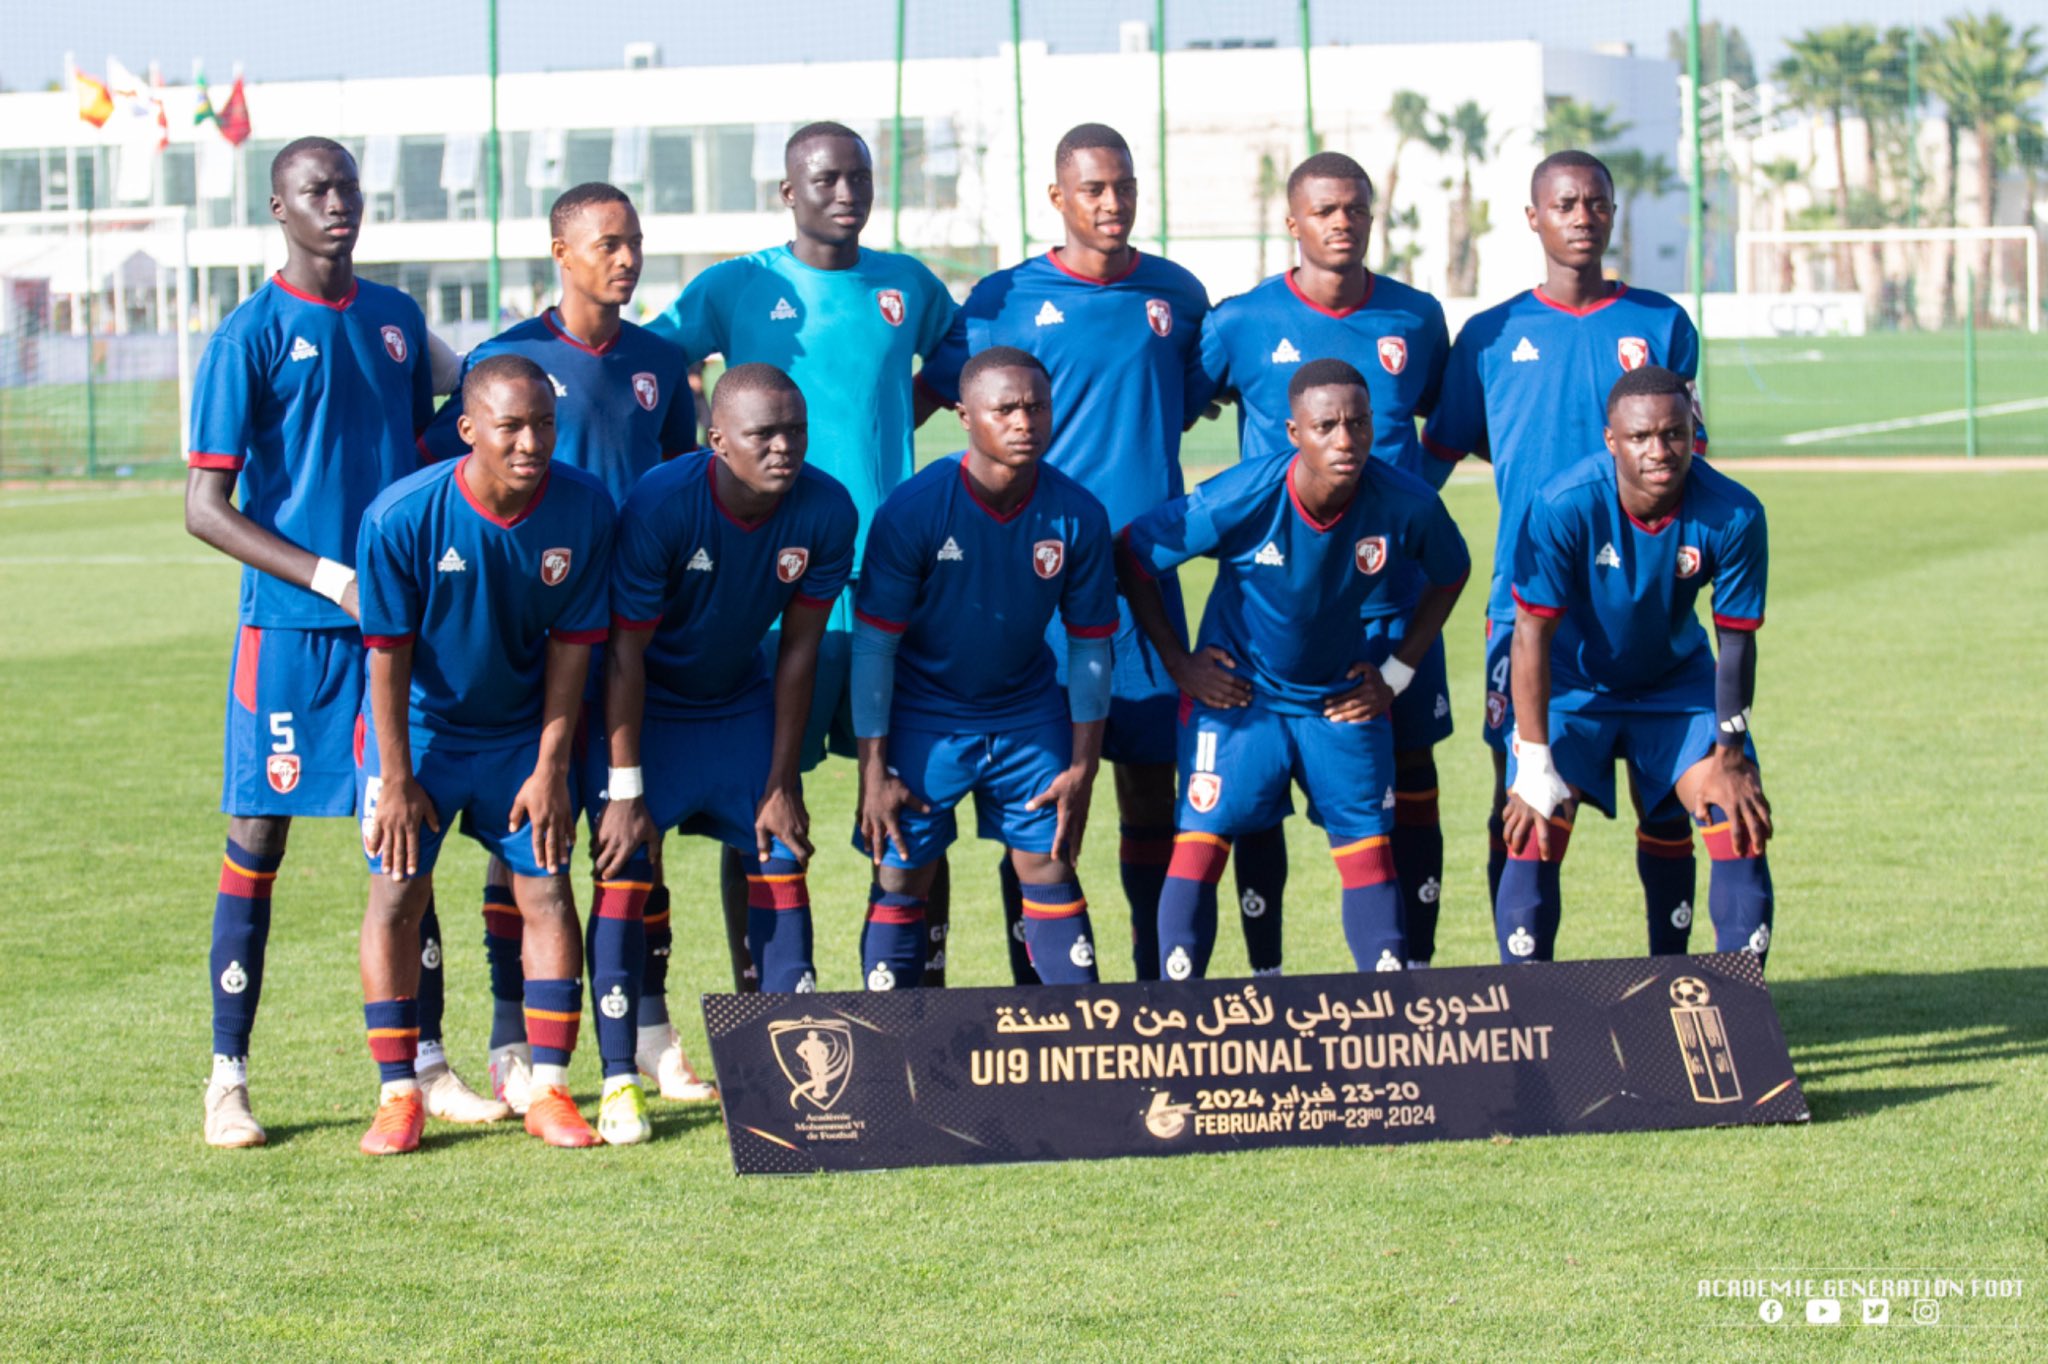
point(156, 98)
point(233, 117)
point(202, 112)
point(134, 130)
point(95, 104)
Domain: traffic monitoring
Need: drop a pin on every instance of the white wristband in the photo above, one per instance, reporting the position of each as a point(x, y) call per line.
point(1536, 778)
point(625, 784)
point(331, 580)
point(1396, 675)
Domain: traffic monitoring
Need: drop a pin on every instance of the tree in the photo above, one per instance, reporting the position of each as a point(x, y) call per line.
point(1466, 127)
point(1724, 54)
point(1570, 124)
point(1828, 72)
point(1988, 74)
point(1410, 114)
point(1637, 175)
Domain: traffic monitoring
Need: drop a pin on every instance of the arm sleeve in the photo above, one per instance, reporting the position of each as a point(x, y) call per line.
point(1214, 354)
point(443, 439)
point(422, 378)
point(1740, 571)
point(935, 318)
point(1088, 679)
point(889, 578)
point(1457, 423)
point(1197, 388)
point(941, 372)
point(387, 592)
point(692, 321)
point(1543, 561)
point(679, 423)
point(1439, 547)
point(873, 683)
point(586, 617)
point(641, 558)
point(1088, 589)
point(831, 563)
point(1685, 362)
point(1172, 533)
point(1437, 345)
point(223, 397)
point(1734, 685)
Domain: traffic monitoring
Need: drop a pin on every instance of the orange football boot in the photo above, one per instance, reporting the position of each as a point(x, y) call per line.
point(553, 1117)
point(396, 1128)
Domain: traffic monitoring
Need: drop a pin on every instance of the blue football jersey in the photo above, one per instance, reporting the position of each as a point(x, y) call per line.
point(318, 405)
point(1253, 344)
point(479, 598)
point(1289, 589)
point(1627, 591)
point(710, 585)
point(972, 593)
point(620, 408)
point(1528, 380)
point(1126, 365)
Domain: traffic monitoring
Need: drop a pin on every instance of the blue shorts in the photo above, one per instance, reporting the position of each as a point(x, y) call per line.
point(1236, 767)
point(1144, 704)
point(1657, 744)
point(1004, 770)
point(1500, 696)
point(479, 785)
point(293, 700)
point(703, 776)
point(1422, 713)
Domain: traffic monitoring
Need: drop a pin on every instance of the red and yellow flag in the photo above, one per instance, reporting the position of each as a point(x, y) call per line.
point(95, 102)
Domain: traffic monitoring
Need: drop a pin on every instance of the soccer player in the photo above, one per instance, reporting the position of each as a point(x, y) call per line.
point(847, 323)
point(1610, 661)
point(1284, 685)
point(1526, 387)
point(1331, 306)
point(306, 405)
point(712, 549)
point(954, 687)
point(622, 406)
point(484, 584)
point(1120, 334)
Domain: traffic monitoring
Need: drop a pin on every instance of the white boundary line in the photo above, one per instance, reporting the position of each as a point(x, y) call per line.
point(1947, 418)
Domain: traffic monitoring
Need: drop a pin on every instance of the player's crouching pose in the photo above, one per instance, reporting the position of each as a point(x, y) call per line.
point(712, 550)
point(1284, 686)
point(483, 587)
point(1610, 661)
point(954, 686)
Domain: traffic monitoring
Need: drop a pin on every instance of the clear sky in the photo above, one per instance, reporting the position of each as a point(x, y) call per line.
point(278, 40)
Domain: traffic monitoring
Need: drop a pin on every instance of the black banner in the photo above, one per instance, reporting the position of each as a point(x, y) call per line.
point(934, 1077)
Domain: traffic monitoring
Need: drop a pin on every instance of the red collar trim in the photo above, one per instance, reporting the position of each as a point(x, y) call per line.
point(1547, 301)
point(1061, 266)
point(1649, 527)
point(1320, 527)
point(563, 333)
point(1295, 289)
point(279, 280)
point(485, 512)
point(711, 477)
point(1000, 518)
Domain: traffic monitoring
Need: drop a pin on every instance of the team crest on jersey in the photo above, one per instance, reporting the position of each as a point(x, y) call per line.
point(890, 301)
point(1393, 354)
point(1688, 560)
point(1204, 790)
point(1047, 556)
point(554, 566)
point(647, 389)
point(1370, 554)
point(283, 771)
point(1633, 351)
point(394, 344)
point(1496, 709)
point(791, 562)
point(1160, 314)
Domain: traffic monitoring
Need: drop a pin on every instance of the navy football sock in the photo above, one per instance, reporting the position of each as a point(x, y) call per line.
point(1529, 906)
point(1057, 932)
point(617, 962)
point(1021, 971)
point(779, 927)
point(1496, 856)
point(504, 930)
point(1739, 894)
point(554, 1013)
point(393, 1026)
point(1418, 843)
point(1187, 905)
point(1371, 903)
point(432, 995)
point(241, 932)
point(654, 969)
point(892, 945)
point(1260, 861)
point(1665, 863)
point(1143, 854)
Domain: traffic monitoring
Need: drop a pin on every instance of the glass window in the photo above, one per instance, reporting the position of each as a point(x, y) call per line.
point(256, 159)
point(732, 170)
point(480, 300)
point(89, 179)
point(448, 303)
point(671, 171)
point(589, 158)
point(181, 176)
point(420, 196)
point(21, 182)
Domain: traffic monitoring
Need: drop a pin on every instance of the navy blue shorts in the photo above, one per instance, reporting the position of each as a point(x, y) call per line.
point(1237, 767)
point(293, 700)
point(1004, 770)
point(702, 776)
point(477, 785)
point(1657, 744)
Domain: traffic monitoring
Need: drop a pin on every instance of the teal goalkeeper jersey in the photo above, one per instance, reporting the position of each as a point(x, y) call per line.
point(847, 337)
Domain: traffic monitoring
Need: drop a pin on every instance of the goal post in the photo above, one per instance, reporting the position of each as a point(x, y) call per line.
point(2027, 240)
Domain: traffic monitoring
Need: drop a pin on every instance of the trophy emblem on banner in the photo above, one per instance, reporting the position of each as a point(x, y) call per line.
point(1703, 1041)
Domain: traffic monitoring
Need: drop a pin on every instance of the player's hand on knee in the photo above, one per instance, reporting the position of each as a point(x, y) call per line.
point(543, 801)
point(1733, 782)
point(1367, 700)
point(624, 828)
point(883, 799)
point(402, 805)
point(782, 815)
point(1070, 795)
point(1209, 675)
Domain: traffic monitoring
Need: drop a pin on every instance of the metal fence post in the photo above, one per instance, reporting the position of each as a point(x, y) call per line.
point(1970, 364)
point(896, 141)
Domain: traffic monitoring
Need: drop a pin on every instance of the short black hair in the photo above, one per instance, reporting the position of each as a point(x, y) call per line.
point(754, 377)
point(1323, 374)
point(812, 132)
point(1083, 137)
point(579, 197)
point(1567, 160)
point(503, 365)
point(292, 151)
point(1651, 381)
point(1329, 166)
point(998, 357)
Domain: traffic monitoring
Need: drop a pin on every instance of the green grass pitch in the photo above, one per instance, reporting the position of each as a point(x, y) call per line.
point(1900, 723)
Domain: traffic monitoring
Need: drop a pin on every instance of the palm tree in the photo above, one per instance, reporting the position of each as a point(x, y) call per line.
point(1827, 73)
point(1779, 176)
point(1988, 73)
point(1569, 123)
point(1637, 175)
point(1413, 122)
point(1467, 128)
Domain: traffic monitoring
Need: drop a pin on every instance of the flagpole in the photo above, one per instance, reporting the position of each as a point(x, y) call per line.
point(492, 177)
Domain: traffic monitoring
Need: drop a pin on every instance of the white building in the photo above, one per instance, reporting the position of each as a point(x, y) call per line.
point(700, 151)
